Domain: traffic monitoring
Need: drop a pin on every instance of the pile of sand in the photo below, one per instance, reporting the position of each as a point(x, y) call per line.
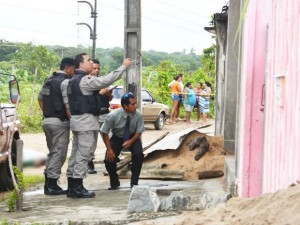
point(183, 159)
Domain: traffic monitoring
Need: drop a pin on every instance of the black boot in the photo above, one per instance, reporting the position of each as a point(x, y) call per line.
point(46, 182)
point(91, 167)
point(78, 190)
point(51, 187)
point(70, 186)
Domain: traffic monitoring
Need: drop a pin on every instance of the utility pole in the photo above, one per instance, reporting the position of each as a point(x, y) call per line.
point(93, 34)
point(132, 47)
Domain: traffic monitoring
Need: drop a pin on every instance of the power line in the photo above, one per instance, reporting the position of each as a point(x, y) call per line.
point(117, 8)
point(43, 10)
point(162, 13)
point(48, 33)
point(181, 9)
point(173, 25)
point(36, 9)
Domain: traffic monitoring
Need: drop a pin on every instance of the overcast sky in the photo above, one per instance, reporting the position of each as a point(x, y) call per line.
point(167, 25)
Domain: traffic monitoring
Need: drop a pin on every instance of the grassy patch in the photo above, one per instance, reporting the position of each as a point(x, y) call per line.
point(29, 181)
point(32, 180)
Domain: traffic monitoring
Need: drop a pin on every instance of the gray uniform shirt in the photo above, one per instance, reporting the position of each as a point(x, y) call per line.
point(54, 120)
point(88, 85)
point(115, 121)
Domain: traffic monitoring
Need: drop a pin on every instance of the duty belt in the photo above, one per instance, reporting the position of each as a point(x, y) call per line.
point(104, 111)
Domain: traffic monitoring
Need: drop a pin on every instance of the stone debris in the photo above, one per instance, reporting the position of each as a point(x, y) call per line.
point(210, 199)
point(142, 199)
point(177, 201)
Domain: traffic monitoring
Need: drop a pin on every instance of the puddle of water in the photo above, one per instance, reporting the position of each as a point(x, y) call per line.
point(37, 192)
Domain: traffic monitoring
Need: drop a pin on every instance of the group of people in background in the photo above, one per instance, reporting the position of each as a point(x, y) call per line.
point(76, 98)
point(191, 98)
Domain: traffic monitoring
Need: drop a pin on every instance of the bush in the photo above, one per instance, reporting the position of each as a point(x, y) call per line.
point(30, 115)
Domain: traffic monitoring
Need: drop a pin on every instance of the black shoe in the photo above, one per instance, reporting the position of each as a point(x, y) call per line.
point(70, 186)
point(91, 167)
point(114, 186)
point(51, 187)
point(131, 185)
point(78, 190)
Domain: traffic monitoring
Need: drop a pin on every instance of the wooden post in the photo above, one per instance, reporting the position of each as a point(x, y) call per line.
point(20, 166)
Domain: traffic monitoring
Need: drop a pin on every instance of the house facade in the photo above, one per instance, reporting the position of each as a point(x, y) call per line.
point(265, 124)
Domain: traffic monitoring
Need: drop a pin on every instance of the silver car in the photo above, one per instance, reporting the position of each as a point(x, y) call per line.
point(153, 112)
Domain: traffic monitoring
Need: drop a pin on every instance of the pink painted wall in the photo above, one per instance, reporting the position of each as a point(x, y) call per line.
point(269, 141)
point(281, 161)
point(251, 116)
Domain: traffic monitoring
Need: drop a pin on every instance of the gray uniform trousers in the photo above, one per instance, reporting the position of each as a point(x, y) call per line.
point(80, 155)
point(57, 138)
point(94, 146)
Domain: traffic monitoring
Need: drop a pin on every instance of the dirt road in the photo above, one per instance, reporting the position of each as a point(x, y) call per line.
point(38, 141)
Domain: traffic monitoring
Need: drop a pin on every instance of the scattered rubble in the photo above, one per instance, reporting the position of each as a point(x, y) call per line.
point(177, 201)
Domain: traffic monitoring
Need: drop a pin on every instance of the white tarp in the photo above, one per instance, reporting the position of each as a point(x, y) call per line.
point(172, 141)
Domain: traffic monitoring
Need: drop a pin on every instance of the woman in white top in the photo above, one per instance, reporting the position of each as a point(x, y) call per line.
point(204, 101)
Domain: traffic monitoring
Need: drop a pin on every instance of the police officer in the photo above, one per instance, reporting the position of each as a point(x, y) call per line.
point(105, 96)
point(83, 100)
point(56, 124)
point(127, 126)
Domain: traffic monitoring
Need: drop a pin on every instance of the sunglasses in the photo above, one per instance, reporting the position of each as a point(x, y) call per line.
point(128, 95)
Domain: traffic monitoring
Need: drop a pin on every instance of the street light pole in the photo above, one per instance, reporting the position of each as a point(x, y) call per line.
point(93, 34)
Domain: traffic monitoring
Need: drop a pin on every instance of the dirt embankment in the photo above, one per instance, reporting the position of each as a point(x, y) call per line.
point(184, 159)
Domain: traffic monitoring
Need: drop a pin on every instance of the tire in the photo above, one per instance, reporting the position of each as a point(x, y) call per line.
point(160, 122)
point(14, 152)
point(6, 183)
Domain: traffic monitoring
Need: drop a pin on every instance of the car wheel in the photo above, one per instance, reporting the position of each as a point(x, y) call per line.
point(160, 122)
point(6, 183)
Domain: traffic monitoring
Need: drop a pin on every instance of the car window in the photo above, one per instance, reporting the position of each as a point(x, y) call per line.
point(118, 92)
point(146, 96)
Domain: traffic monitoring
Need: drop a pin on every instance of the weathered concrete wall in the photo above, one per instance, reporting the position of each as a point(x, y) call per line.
point(132, 48)
point(221, 33)
point(231, 76)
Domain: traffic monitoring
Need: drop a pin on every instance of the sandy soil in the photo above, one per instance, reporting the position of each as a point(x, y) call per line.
point(183, 158)
point(279, 208)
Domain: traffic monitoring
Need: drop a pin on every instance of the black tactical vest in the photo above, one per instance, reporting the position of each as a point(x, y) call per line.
point(53, 105)
point(104, 104)
point(79, 103)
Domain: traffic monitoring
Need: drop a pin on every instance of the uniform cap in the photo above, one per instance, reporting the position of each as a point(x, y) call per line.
point(68, 61)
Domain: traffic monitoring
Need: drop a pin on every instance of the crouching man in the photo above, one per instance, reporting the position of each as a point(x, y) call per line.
point(127, 126)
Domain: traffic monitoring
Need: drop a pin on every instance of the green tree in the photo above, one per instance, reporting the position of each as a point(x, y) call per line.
point(208, 60)
point(7, 50)
point(29, 57)
point(156, 79)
